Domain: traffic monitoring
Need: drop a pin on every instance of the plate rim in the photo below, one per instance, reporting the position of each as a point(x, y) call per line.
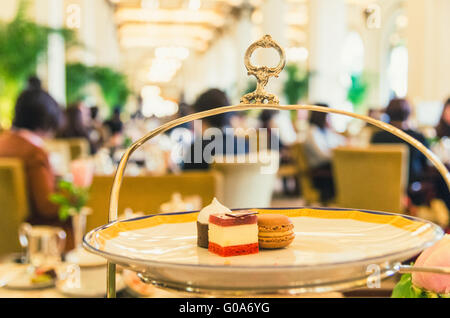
point(49, 284)
point(439, 233)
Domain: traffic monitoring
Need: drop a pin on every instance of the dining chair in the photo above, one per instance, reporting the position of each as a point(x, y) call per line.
point(147, 193)
point(371, 178)
point(248, 182)
point(309, 193)
point(289, 170)
point(59, 155)
point(13, 203)
point(79, 147)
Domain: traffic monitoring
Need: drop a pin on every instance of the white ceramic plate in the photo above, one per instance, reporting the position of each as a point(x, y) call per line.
point(334, 249)
point(20, 279)
point(88, 288)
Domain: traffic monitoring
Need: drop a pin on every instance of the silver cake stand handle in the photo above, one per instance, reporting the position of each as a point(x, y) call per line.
point(403, 269)
point(259, 99)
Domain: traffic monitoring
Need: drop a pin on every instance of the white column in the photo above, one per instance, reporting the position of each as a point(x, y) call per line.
point(428, 50)
point(274, 20)
point(9, 9)
point(88, 32)
point(274, 24)
point(56, 53)
point(243, 39)
point(327, 29)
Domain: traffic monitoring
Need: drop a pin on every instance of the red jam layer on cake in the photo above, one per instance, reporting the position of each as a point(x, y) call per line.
point(233, 235)
point(235, 250)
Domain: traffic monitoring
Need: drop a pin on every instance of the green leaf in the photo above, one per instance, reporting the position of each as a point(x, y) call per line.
point(297, 83)
point(69, 198)
point(403, 288)
point(359, 89)
point(78, 76)
point(112, 83)
point(66, 185)
point(59, 199)
point(22, 44)
point(64, 212)
point(406, 289)
point(251, 86)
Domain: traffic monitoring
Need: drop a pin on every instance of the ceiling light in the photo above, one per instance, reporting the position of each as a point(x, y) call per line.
point(296, 54)
point(299, 17)
point(150, 4)
point(153, 104)
point(194, 4)
point(210, 17)
point(401, 21)
point(163, 70)
point(155, 30)
point(153, 42)
point(257, 17)
point(150, 90)
point(172, 52)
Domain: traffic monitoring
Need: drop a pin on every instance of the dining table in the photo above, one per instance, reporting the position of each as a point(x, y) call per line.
point(384, 291)
point(129, 291)
point(53, 292)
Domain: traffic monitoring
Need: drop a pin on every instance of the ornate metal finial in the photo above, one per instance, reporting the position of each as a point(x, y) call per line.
point(262, 73)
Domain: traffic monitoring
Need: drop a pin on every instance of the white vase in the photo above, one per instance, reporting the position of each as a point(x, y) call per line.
point(79, 255)
point(79, 226)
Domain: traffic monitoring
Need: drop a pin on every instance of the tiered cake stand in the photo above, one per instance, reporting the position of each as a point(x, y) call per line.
point(120, 242)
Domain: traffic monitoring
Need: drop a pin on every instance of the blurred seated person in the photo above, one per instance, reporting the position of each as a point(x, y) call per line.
point(320, 141)
point(443, 127)
point(95, 128)
point(238, 121)
point(77, 117)
point(287, 131)
point(184, 109)
point(114, 124)
point(267, 121)
point(398, 111)
point(37, 116)
point(443, 131)
point(114, 129)
point(207, 130)
point(368, 130)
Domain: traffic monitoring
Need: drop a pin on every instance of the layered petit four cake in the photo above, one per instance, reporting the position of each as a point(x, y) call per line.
point(233, 234)
point(203, 220)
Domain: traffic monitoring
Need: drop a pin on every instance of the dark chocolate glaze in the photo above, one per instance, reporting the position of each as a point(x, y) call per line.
point(202, 235)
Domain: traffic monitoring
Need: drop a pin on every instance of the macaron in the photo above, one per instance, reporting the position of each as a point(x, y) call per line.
point(275, 231)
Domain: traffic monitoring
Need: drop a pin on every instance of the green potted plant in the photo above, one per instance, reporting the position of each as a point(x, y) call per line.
point(72, 196)
point(22, 44)
point(297, 83)
point(113, 84)
point(358, 90)
point(78, 76)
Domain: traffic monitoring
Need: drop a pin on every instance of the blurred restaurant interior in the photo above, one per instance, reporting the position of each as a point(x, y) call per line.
point(82, 80)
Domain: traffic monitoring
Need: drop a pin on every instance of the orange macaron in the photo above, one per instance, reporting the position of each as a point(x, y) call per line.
point(275, 231)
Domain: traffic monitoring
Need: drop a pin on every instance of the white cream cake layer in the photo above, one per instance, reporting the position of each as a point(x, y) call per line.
point(233, 235)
